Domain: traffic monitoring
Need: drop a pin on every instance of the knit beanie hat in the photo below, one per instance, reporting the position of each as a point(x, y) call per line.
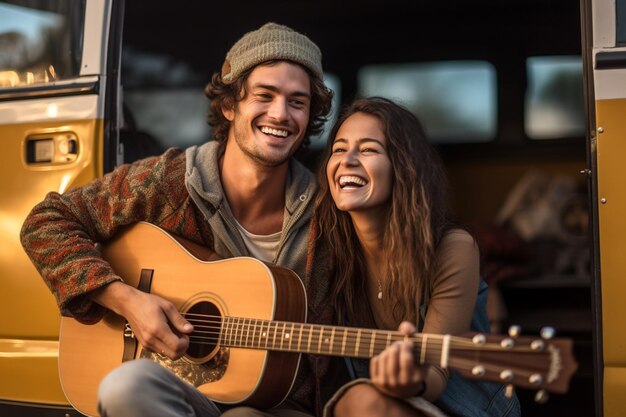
point(271, 42)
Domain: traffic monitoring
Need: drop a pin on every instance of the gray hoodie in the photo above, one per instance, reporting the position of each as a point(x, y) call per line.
point(202, 180)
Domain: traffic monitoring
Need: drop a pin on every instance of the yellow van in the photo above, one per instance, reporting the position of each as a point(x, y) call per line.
point(524, 100)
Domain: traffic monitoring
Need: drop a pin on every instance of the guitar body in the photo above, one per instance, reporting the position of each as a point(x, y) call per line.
point(239, 287)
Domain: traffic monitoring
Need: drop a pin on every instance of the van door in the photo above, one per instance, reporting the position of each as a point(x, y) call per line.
point(604, 54)
point(58, 129)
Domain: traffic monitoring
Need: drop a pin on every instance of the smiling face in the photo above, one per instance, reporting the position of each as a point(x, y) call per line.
point(359, 171)
point(269, 123)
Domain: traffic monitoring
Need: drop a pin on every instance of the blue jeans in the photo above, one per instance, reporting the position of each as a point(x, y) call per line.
point(143, 388)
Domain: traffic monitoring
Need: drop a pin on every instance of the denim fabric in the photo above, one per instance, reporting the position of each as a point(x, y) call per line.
point(143, 388)
point(463, 397)
point(470, 398)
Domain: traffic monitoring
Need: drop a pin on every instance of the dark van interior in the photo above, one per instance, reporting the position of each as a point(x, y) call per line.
point(499, 88)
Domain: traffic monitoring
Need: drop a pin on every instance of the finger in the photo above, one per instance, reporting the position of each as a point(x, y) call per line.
point(174, 345)
point(377, 367)
point(407, 328)
point(392, 365)
point(374, 368)
point(407, 371)
point(176, 319)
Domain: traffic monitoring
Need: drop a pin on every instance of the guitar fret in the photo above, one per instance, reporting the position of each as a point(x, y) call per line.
point(319, 342)
point(247, 332)
point(388, 339)
point(240, 330)
point(372, 341)
point(423, 348)
point(274, 336)
point(231, 328)
point(358, 342)
point(445, 350)
point(258, 330)
point(224, 336)
point(343, 344)
point(261, 333)
point(332, 341)
point(310, 335)
point(233, 331)
point(291, 335)
point(300, 337)
point(229, 323)
point(248, 337)
point(282, 336)
point(231, 339)
point(267, 334)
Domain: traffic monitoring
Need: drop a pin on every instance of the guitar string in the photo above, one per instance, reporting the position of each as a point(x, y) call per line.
point(351, 343)
point(432, 357)
point(241, 326)
point(277, 335)
point(363, 350)
point(432, 352)
point(240, 330)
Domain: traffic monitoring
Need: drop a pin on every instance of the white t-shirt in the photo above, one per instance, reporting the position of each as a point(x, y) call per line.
point(262, 247)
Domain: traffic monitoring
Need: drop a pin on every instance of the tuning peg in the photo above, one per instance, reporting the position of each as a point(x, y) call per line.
point(507, 343)
point(537, 345)
point(478, 370)
point(509, 391)
point(547, 332)
point(506, 375)
point(535, 379)
point(515, 330)
point(479, 339)
point(541, 396)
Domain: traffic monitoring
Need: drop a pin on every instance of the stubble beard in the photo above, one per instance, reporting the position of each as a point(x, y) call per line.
point(247, 146)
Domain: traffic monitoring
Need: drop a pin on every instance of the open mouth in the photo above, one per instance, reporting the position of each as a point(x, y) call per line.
point(279, 133)
point(351, 181)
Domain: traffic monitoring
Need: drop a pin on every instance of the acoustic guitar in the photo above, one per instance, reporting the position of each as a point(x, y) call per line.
point(250, 328)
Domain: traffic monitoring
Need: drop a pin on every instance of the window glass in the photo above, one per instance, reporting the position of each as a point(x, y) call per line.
point(164, 100)
point(332, 81)
point(455, 100)
point(554, 105)
point(40, 41)
point(620, 22)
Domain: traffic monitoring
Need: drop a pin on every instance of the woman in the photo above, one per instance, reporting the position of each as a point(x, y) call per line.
point(383, 234)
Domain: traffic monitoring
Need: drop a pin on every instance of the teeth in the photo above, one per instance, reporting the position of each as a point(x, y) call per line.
point(275, 132)
point(351, 179)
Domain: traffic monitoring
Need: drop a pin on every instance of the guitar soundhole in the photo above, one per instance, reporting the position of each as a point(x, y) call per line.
point(207, 322)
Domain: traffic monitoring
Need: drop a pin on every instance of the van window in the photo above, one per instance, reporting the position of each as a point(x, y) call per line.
point(620, 32)
point(333, 82)
point(455, 100)
point(554, 105)
point(40, 41)
point(164, 98)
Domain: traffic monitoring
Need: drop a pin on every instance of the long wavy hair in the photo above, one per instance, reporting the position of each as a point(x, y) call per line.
point(226, 96)
point(417, 219)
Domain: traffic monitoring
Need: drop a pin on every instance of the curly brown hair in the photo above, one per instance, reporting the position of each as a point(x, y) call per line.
point(225, 96)
point(417, 218)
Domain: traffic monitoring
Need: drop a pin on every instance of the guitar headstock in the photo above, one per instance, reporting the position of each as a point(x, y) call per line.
point(542, 363)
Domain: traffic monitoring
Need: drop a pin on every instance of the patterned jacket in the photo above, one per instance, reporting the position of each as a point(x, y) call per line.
point(178, 191)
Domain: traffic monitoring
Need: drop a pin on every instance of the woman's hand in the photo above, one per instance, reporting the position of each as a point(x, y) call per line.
point(394, 371)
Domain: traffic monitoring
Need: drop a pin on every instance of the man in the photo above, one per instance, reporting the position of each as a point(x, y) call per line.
point(241, 195)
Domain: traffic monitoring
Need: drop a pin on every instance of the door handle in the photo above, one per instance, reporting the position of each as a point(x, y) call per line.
point(51, 148)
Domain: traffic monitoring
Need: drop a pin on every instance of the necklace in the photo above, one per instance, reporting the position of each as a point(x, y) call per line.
point(380, 290)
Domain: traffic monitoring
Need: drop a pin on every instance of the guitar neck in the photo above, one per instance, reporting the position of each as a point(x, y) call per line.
point(325, 340)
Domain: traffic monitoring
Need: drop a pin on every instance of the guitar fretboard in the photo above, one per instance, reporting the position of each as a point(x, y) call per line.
point(324, 340)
